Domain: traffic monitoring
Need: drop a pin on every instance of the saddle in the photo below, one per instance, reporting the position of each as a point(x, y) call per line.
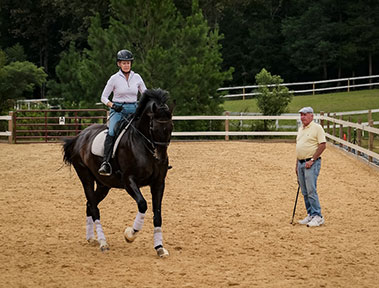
point(97, 147)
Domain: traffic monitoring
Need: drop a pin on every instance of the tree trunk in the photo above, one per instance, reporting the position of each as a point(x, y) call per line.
point(339, 74)
point(370, 66)
point(325, 68)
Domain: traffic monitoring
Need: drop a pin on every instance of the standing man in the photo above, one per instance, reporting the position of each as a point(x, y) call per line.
point(310, 143)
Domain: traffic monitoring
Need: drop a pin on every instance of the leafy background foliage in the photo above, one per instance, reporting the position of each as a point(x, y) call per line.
point(189, 47)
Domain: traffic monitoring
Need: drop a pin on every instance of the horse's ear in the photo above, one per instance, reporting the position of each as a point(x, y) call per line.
point(172, 106)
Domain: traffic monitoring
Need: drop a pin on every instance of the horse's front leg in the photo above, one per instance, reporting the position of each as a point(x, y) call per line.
point(157, 196)
point(130, 233)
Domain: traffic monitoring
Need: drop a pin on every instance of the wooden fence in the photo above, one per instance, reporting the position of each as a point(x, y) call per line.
point(7, 133)
point(326, 121)
point(341, 84)
point(43, 128)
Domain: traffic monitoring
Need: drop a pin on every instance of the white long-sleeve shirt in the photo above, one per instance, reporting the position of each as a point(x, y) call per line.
point(124, 91)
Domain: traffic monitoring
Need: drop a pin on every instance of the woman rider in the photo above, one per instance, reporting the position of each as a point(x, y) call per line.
point(125, 85)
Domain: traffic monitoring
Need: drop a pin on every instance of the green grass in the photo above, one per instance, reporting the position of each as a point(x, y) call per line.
point(333, 102)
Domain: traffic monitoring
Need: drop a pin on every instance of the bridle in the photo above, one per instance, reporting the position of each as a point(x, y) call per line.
point(151, 131)
point(151, 141)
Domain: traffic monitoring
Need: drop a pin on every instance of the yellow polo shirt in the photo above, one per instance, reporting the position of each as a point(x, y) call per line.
point(307, 140)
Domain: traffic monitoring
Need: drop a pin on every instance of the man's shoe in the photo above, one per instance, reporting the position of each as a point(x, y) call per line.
point(105, 169)
point(316, 221)
point(306, 220)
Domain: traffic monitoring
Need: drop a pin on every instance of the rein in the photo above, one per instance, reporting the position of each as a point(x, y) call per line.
point(150, 141)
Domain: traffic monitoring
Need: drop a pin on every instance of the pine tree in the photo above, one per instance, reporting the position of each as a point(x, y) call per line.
point(68, 92)
point(272, 98)
point(181, 55)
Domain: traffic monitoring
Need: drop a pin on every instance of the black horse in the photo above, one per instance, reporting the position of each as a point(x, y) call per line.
point(141, 160)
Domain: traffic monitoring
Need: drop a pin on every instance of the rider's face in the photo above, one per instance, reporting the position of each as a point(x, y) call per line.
point(125, 66)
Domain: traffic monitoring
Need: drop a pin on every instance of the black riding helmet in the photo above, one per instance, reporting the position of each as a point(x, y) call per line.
point(124, 55)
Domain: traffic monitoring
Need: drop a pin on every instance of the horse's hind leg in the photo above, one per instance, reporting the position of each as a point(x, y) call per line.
point(93, 199)
point(100, 193)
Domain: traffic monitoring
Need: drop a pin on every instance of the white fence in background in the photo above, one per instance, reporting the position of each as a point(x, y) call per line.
point(372, 131)
point(5, 133)
point(361, 127)
point(347, 113)
point(341, 84)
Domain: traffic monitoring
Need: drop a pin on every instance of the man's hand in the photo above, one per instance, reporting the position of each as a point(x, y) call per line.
point(117, 108)
point(309, 164)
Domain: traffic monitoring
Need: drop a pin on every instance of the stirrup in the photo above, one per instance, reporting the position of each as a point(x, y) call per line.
point(102, 171)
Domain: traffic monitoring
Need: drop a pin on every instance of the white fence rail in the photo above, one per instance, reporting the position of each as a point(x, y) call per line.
point(5, 133)
point(374, 131)
point(360, 127)
point(350, 83)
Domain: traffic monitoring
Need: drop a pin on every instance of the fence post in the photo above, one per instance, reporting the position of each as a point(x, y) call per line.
point(349, 135)
point(10, 128)
point(14, 120)
point(105, 120)
point(76, 123)
point(370, 139)
point(314, 86)
point(334, 128)
point(341, 131)
point(243, 93)
point(227, 113)
point(322, 120)
point(45, 126)
point(359, 136)
point(327, 124)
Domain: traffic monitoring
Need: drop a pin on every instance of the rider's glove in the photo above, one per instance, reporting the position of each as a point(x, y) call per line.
point(117, 108)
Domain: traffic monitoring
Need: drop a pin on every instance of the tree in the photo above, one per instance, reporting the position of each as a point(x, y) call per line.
point(68, 92)
point(308, 39)
point(272, 98)
point(181, 55)
point(15, 53)
point(363, 22)
point(18, 80)
point(253, 38)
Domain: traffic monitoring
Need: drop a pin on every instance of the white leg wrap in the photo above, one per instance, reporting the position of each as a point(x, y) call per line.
point(158, 238)
point(89, 228)
point(138, 222)
point(99, 231)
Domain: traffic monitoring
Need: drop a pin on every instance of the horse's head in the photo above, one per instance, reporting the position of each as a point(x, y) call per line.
point(154, 111)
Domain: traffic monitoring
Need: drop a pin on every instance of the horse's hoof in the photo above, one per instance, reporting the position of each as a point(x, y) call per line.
point(162, 252)
point(103, 245)
point(129, 234)
point(92, 241)
point(104, 248)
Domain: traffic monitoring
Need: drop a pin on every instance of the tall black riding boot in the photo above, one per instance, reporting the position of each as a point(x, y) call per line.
point(106, 168)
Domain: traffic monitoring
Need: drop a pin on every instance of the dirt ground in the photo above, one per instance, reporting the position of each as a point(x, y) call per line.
point(226, 222)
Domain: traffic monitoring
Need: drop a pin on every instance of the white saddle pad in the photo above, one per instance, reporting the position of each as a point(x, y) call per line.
point(97, 147)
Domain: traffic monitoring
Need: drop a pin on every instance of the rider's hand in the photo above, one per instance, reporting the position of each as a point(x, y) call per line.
point(117, 108)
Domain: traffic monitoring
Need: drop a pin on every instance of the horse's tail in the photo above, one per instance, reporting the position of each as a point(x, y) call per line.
point(68, 150)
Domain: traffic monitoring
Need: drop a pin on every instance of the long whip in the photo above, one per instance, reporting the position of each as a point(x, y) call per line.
point(294, 208)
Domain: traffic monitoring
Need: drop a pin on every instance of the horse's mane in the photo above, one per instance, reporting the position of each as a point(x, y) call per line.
point(159, 96)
